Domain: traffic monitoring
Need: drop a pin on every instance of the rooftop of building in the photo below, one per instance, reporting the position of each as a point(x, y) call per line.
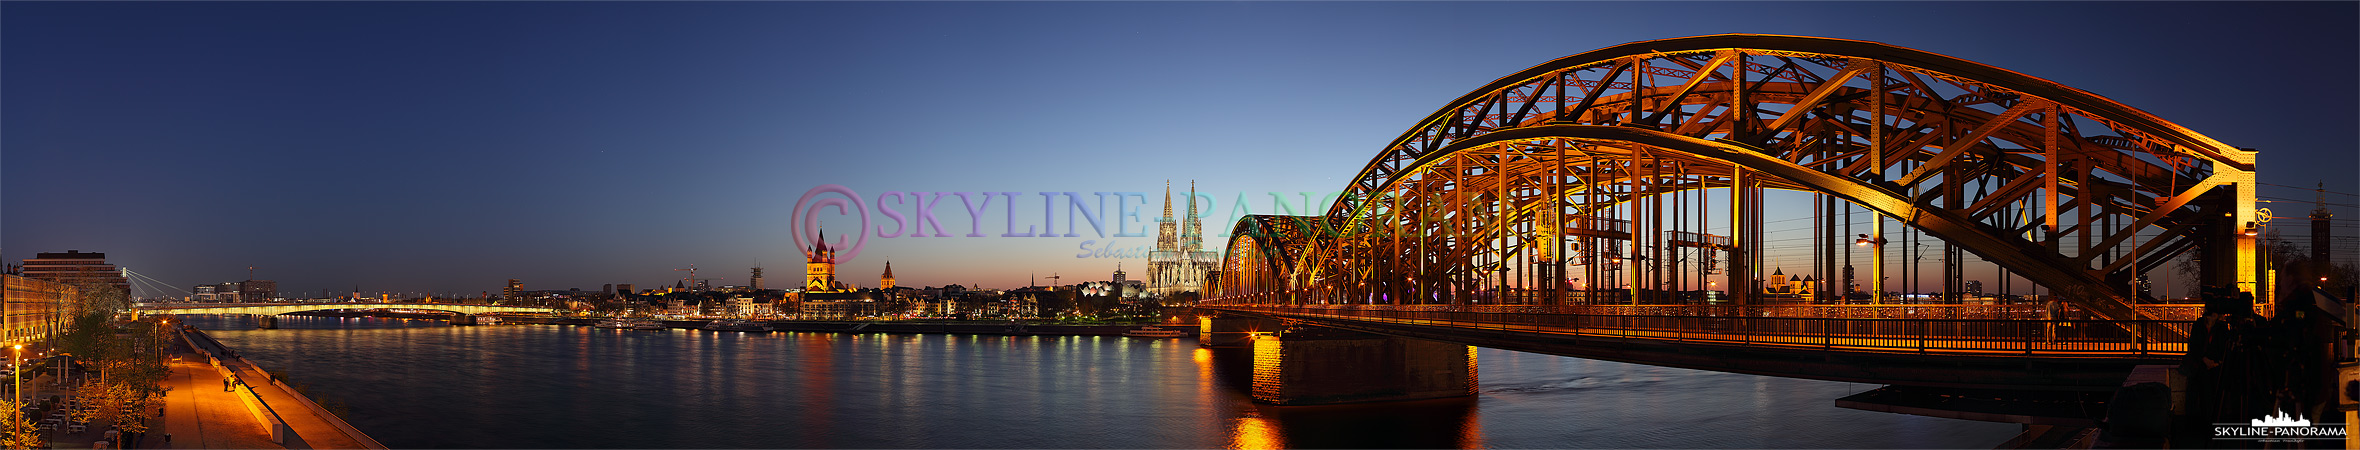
point(70, 254)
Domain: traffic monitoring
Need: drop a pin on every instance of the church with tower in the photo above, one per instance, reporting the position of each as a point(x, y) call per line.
point(1179, 262)
point(824, 297)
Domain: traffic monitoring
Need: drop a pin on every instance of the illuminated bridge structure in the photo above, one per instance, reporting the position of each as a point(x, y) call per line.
point(1581, 207)
point(268, 309)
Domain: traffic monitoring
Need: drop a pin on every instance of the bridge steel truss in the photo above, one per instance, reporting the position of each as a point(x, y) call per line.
point(1538, 187)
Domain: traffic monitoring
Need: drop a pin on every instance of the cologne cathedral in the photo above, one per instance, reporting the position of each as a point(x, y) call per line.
point(1179, 262)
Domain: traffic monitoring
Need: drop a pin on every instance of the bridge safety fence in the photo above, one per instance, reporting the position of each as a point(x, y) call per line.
point(2035, 337)
point(2153, 311)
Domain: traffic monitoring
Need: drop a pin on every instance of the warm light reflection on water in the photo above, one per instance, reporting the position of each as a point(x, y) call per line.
point(1252, 432)
point(418, 384)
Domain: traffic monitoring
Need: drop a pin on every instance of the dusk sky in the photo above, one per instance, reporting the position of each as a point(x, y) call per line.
point(448, 146)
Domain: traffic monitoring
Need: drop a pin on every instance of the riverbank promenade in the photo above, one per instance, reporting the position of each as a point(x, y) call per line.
point(199, 414)
point(224, 420)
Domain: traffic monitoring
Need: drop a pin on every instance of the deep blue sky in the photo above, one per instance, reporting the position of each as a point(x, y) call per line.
point(448, 146)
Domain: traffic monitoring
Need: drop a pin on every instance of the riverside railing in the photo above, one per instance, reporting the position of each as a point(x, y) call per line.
point(1991, 337)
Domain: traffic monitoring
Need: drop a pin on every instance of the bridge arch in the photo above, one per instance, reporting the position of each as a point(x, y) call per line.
point(2065, 187)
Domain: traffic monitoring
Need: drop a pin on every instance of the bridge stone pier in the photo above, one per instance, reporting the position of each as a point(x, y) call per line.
point(1306, 365)
point(1233, 331)
point(266, 322)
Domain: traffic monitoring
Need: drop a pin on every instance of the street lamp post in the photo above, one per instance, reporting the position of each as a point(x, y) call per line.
point(1876, 273)
point(16, 375)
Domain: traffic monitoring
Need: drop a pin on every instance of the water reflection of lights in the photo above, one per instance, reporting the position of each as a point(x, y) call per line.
point(1254, 432)
point(1471, 430)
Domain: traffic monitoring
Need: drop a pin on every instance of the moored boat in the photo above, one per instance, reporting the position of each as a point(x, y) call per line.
point(736, 325)
point(614, 323)
point(1154, 332)
point(647, 325)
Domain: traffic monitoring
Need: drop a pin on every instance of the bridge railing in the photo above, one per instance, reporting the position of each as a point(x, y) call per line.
point(1999, 337)
point(2153, 311)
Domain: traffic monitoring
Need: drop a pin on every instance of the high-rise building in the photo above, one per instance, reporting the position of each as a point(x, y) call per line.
point(757, 279)
point(254, 291)
point(624, 289)
point(514, 291)
point(886, 281)
point(78, 269)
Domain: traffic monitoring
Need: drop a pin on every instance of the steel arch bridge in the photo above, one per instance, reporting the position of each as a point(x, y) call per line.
point(1611, 157)
point(284, 308)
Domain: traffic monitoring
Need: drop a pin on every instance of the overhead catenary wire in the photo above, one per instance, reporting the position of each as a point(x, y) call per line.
point(2309, 188)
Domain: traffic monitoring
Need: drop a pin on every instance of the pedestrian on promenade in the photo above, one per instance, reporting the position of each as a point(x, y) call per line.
point(225, 384)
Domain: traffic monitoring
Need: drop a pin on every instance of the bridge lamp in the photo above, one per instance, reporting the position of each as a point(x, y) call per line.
point(1865, 241)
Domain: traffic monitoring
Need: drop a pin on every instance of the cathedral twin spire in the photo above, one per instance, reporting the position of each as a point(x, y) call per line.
point(1179, 262)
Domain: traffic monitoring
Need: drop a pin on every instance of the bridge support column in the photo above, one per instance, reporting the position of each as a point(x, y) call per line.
point(266, 321)
point(1310, 365)
point(462, 319)
point(1232, 331)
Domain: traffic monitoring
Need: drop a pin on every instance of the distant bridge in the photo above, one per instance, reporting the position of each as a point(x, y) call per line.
point(285, 308)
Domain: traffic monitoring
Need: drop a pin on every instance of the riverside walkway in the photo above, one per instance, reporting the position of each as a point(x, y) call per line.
point(225, 415)
point(199, 414)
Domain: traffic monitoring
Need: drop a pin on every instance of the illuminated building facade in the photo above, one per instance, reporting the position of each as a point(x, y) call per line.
point(36, 307)
point(886, 281)
point(76, 268)
point(824, 297)
point(1179, 262)
point(819, 267)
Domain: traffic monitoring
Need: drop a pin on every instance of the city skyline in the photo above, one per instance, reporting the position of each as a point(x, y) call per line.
point(450, 147)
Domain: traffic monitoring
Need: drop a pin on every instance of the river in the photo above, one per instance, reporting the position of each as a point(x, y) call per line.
point(423, 384)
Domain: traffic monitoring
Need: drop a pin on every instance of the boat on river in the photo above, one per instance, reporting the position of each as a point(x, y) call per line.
point(1153, 332)
point(737, 325)
point(615, 324)
point(647, 325)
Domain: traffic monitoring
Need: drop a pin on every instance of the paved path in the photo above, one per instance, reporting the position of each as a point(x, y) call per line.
point(199, 414)
point(306, 427)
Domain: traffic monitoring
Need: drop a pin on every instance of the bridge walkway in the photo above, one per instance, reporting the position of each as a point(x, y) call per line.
point(1959, 337)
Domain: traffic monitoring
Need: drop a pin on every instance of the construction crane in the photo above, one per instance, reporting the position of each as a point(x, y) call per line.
point(692, 276)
